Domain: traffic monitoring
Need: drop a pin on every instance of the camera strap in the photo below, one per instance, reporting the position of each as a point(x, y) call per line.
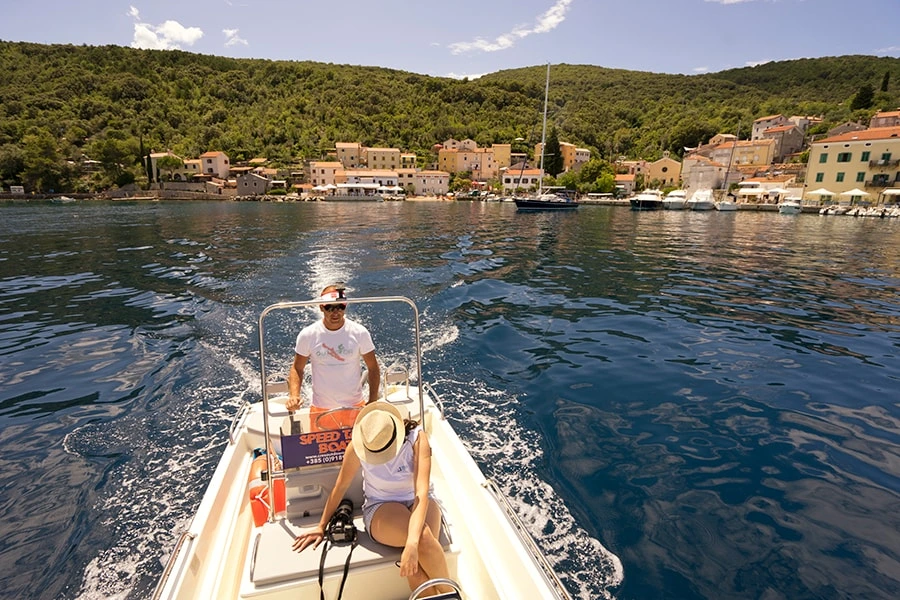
point(329, 541)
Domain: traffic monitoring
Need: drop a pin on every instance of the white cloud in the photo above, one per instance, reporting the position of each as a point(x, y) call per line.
point(546, 22)
point(888, 50)
point(700, 70)
point(730, 1)
point(168, 36)
point(756, 63)
point(232, 38)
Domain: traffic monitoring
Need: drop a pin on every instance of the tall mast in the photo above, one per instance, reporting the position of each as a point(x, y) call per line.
point(544, 132)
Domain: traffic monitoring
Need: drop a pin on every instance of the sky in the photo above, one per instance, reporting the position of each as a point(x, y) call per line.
point(469, 38)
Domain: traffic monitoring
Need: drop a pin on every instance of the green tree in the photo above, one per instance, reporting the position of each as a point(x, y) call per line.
point(863, 98)
point(44, 169)
point(169, 164)
point(12, 163)
point(553, 160)
point(885, 81)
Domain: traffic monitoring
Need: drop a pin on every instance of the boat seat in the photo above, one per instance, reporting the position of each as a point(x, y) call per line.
point(273, 560)
point(307, 489)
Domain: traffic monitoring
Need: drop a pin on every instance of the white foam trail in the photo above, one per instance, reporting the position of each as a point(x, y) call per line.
point(508, 454)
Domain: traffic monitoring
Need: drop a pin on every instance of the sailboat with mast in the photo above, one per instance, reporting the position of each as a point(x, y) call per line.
point(557, 199)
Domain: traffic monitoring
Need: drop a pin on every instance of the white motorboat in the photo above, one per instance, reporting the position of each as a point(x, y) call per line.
point(701, 199)
point(726, 204)
point(647, 200)
point(675, 200)
point(789, 206)
point(239, 547)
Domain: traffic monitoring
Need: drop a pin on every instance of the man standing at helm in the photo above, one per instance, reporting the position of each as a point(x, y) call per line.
point(333, 346)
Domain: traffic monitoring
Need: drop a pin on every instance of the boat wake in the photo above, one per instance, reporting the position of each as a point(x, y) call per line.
point(160, 475)
point(487, 421)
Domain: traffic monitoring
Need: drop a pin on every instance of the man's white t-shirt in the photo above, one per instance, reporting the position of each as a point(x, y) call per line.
point(334, 358)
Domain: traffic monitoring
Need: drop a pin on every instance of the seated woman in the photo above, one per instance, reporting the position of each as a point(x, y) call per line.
point(400, 509)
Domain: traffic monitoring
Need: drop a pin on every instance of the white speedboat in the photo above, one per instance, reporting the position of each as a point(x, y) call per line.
point(789, 206)
point(726, 204)
point(239, 547)
point(701, 199)
point(675, 200)
point(647, 200)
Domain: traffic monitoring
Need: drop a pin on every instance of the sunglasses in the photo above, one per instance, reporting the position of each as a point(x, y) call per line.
point(333, 307)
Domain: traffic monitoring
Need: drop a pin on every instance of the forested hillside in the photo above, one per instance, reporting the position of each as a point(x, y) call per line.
point(62, 103)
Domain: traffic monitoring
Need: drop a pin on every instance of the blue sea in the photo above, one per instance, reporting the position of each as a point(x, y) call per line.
point(680, 405)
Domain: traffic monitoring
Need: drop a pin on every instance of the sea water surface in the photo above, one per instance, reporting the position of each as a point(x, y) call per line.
point(680, 405)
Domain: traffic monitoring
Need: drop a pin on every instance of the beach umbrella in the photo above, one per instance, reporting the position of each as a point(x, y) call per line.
point(820, 192)
point(855, 192)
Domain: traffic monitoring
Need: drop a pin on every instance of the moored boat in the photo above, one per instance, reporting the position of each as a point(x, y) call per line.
point(675, 200)
point(238, 545)
point(553, 199)
point(701, 199)
point(789, 206)
point(726, 204)
point(647, 200)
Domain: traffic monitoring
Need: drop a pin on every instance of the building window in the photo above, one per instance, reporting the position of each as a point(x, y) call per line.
point(840, 177)
point(844, 156)
point(861, 176)
point(865, 156)
point(823, 158)
point(886, 156)
point(820, 177)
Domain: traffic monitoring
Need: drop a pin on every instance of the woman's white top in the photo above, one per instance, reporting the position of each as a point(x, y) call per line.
point(394, 481)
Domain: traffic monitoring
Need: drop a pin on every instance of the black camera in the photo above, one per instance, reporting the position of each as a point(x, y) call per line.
point(341, 527)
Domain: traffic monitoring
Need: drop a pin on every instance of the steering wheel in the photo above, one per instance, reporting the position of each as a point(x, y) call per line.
point(331, 412)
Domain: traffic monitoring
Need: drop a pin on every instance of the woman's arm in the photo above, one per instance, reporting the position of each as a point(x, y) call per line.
point(409, 559)
point(349, 467)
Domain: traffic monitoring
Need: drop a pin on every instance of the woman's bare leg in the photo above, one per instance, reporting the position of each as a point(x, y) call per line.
point(390, 525)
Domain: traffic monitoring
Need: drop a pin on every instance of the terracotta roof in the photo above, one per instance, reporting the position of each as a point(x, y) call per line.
point(779, 129)
point(211, 154)
point(769, 118)
point(876, 133)
point(746, 143)
point(892, 113)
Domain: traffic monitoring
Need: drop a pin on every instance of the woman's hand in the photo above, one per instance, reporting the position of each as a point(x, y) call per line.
point(313, 537)
point(409, 560)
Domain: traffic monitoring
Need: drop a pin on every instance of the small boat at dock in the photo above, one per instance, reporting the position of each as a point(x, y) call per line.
point(647, 200)
point(675, 200)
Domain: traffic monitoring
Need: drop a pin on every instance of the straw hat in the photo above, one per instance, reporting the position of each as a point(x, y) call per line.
point(378, 433)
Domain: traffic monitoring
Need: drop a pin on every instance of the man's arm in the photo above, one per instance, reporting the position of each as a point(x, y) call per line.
point(374, 373)
point(295, 381)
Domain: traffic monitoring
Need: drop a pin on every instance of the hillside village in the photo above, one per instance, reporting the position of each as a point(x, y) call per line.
point(850, 156)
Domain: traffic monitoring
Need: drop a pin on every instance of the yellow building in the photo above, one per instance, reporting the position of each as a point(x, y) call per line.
point(746, 153)
point(324, 172)
point(383, 158)
point(666, 171)
point(571, 154)
point(868, 160)
point(350, 154)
